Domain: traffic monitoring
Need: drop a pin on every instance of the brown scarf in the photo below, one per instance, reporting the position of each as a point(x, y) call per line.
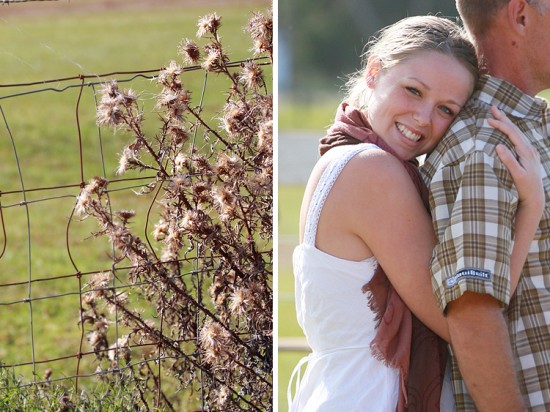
point(401, 340)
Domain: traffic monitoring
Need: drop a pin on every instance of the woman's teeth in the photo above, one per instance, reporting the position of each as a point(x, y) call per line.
point(408, 134)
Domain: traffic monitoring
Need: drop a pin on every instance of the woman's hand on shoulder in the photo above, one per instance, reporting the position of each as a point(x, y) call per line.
point(526, 172)
point(525, 168)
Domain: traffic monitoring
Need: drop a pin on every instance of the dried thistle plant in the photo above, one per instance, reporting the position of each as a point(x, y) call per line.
point(206, 272)
point(260, 28)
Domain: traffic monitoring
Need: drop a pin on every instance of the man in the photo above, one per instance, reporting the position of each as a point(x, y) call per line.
point(501, 343)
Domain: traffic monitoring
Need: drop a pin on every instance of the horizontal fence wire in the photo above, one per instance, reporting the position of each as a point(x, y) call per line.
point(8, 2)
point(28, 293)
point(127, 184)
point(22, 1)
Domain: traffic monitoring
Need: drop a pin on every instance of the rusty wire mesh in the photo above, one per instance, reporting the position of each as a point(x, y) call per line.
point(34, 286)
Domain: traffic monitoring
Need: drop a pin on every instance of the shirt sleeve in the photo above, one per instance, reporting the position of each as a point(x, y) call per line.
point(473, 210)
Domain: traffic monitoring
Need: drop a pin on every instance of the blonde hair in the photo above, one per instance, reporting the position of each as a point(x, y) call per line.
point(399, 41)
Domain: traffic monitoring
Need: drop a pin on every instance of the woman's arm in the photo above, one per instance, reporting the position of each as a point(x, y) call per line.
point(380, 205)
point(385, 211)
point(379, 212)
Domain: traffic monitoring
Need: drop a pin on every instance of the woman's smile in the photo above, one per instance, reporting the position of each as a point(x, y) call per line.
point(409, 134)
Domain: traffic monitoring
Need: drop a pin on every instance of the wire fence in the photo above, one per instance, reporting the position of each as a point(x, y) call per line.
point(21, 1)
point(53, 262)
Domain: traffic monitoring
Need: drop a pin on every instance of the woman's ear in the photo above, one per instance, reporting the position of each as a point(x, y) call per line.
point(373, 68)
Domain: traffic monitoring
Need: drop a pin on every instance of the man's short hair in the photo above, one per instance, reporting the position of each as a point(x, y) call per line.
point(478, 15)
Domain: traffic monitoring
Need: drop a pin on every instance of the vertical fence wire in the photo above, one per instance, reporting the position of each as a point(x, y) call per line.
point(29, 243)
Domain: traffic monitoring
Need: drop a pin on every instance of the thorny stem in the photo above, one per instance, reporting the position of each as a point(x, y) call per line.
point(134, 126)
point(211, 315)
point(148, 218)
point(211, 130)
point(218, 223)
point(247, 225)
point(158, 388)
point(181, 196)
point(142, 396)
point(224, 66)
point(170, 346)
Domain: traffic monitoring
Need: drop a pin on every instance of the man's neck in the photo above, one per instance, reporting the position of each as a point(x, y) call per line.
point(504, 59)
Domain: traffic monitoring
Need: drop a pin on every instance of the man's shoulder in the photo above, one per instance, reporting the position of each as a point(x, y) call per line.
point(471, 122)
point(469, 126)
point(471, 138)
point(469, 133)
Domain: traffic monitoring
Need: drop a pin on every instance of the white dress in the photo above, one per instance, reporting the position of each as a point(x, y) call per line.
point(341, 374)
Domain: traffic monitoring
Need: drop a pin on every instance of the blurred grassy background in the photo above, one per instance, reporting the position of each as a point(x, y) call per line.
point(47, 46)
point(295, 116)
point(290, 198)
point(307, 115)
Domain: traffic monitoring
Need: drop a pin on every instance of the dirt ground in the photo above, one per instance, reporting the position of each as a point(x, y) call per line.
point(27, 8)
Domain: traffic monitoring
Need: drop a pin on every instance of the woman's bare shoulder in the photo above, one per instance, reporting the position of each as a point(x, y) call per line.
point(371, 157)
point(375, 166)
point(369, 172)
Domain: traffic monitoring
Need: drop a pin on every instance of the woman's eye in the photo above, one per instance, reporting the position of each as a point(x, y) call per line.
point(447, 111)
point(414, 91)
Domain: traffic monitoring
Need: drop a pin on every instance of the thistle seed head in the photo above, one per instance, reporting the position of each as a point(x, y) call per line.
point(189, 50)
point(252, 75)
point(208, 24)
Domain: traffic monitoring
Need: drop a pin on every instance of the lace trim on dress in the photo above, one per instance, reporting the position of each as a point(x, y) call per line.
point(329, 176)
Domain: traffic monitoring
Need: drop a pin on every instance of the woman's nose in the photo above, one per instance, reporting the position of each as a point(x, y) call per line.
point(422, 116)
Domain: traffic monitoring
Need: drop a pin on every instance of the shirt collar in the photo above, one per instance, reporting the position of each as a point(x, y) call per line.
point(508, 98)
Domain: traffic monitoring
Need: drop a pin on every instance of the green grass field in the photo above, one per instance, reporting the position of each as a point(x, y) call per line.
point(44, 132)
point(315, 114)
point(290, 198)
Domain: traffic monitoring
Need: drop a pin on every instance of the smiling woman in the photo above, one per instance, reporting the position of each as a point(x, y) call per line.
point(400, 105)
point(412, 104)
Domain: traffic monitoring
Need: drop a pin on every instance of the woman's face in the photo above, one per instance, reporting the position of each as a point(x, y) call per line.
point(413, 103)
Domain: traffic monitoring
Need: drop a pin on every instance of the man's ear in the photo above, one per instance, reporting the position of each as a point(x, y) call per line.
point(518, 15)
point(373, 68)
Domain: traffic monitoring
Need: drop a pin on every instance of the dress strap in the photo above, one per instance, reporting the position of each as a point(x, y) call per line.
point(329, 176)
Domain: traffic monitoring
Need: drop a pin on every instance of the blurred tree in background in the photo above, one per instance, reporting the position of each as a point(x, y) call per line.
point(320, 41)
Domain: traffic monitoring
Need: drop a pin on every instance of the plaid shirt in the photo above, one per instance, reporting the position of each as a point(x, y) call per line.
point(473, 203)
